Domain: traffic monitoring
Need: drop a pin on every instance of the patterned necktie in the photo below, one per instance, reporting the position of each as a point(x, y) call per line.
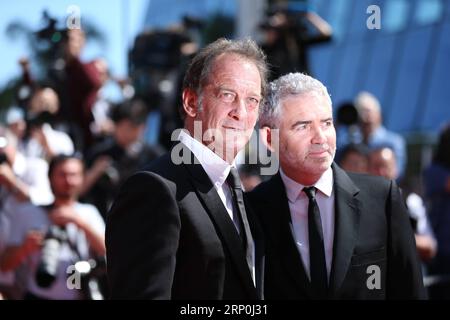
point(238, 199)
point(317, 263)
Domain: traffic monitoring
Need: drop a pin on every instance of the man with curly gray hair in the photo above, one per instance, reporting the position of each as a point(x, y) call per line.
point(329, 234)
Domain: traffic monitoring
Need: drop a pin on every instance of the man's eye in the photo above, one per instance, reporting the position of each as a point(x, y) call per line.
point(227, 96)
point(302, 126)
point(253, 102)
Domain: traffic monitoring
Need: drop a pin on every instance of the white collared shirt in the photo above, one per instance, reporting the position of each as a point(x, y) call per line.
point(215, 167)
point(217, 170)
point(298, 205)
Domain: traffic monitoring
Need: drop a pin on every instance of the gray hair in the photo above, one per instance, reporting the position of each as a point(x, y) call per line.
point(291, 84)
point(200, 67)
point(364, 100)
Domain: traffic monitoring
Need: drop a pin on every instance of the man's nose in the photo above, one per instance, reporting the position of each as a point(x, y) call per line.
point(239, 109)
point(70, 181)
point(318, 135)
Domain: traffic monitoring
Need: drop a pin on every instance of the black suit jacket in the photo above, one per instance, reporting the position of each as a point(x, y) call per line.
point(372, 228)
point(169, 236)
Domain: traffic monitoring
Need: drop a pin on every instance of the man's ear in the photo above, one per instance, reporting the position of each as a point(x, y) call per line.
point(266, 136)
point(190, 102)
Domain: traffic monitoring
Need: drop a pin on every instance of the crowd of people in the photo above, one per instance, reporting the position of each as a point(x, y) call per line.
point(64, 152)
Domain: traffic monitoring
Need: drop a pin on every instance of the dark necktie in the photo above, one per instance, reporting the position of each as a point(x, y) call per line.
point(317, 264)
point(238, 201)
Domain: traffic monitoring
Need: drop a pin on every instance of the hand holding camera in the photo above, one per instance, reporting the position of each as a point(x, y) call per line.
point(63, 215)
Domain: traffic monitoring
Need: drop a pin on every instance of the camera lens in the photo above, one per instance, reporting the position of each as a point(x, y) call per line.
point(48, 268)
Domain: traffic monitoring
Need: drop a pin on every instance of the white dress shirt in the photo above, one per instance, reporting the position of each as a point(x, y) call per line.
point(298, 205)
point(217, 170)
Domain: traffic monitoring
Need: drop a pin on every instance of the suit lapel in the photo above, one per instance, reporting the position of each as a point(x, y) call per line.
point(346, 226)
point(218, 214)
point(282, 222)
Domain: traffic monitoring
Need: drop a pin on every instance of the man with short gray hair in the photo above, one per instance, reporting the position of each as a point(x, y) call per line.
point(329, 234)
point(374, 134)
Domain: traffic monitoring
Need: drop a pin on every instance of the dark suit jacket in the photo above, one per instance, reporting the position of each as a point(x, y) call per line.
point(169, 236)
point(371, 228)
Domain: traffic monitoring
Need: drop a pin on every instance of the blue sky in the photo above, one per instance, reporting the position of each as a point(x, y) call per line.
point(119, 20)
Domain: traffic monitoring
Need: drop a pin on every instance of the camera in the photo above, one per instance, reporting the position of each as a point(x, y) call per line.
point(39, 119)
point(48, 267)
point(293, 15)
point(91, 271)
point(51, 36)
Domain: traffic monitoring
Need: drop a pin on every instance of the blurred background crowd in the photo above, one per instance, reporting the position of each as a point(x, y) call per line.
point(72, 129)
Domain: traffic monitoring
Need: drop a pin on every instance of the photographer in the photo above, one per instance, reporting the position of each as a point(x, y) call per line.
point(83, 81)
point(35, 125)
point(22, 179)
point(81, 224)
point(42, 140)
point(115, 159)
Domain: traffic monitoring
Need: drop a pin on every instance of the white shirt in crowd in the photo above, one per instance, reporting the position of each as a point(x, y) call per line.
point(34, 173)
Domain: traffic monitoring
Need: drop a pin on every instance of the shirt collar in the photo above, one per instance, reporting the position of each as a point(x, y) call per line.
point(293, 188)
point(216, 168)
